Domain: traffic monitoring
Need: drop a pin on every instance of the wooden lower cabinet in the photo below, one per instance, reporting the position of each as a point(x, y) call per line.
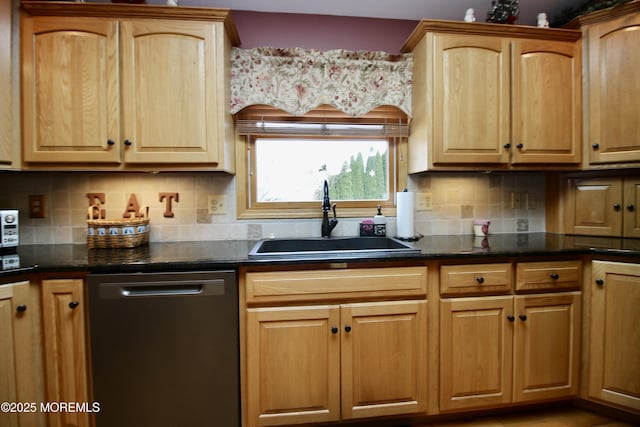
point(546, 356)
point(324, 363)
point(504, 349)
point(293, 365)
point(17, 372)
point(614, 369)
point(476, 342)
point(384, 354)
point(65, 357)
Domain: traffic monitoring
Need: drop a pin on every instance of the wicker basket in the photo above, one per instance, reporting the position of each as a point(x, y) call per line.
point(117, 233)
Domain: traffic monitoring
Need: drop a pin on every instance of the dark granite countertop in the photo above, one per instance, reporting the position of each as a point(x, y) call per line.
point(215, 255)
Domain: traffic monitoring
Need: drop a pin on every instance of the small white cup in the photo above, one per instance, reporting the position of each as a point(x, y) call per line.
point(481, 227)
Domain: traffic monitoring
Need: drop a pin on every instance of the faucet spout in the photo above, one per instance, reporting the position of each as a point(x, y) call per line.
point(328, 224)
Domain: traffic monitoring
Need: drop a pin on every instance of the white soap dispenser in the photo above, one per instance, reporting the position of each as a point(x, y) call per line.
point(379, 223)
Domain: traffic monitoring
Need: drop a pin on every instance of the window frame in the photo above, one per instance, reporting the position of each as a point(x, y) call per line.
point(248, 208)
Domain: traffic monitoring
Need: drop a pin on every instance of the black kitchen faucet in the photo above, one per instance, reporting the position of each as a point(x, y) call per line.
point(328, 224)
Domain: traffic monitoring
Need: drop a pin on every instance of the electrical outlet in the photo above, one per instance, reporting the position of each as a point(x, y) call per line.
point(217, 204)
point(516, 200)
point(530, 200)
point(36, 206)
point(424, 201)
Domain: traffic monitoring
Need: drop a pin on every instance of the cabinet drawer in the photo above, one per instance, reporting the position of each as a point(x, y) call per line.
point(548, 275)
point(476, 278)
point(318, 285)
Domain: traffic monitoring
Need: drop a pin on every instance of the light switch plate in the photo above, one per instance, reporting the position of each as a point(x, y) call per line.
point(217, 204)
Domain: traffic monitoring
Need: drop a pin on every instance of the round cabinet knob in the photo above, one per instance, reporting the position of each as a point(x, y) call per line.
point(507, 145)
point(480, 279)
point(599, 282)
point(616, 206)
point(511, 318)
point(111, 142)
point(21, 308)
point(523, 317)
point(127, 142)
point(554, 276)
point(73, 304)
point(631, 207)
point(595, 146)
point(334, 330)
point(347, 328)
point(521, 145)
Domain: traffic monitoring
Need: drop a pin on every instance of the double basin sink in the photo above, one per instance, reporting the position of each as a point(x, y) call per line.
point(340, 247)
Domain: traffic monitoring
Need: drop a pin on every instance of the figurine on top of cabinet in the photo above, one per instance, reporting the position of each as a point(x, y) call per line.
point(470, 16)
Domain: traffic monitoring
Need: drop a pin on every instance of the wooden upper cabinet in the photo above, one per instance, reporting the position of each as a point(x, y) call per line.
point(124, 87)
point(631, 208)
point(70, 89)
point(471, 99)
point(614, 88)
point(169, 93)
point(6, 61)
point(596, 206)
point(547, 124)
point(494, 96)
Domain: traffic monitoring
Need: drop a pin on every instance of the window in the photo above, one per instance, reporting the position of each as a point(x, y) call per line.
point(284, 165)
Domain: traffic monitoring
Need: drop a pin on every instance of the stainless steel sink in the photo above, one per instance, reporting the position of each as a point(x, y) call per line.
point(349, 247)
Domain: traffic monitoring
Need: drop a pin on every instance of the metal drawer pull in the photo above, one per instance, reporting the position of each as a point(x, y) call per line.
point(480, 279)
point(21, 308)
point(511, 318)
point(73, 304)
point(334, 330)
point(523, 317)
point(347, 328)
point(554, 276)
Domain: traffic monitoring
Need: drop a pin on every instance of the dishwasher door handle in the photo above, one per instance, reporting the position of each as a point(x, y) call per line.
point(170, 288)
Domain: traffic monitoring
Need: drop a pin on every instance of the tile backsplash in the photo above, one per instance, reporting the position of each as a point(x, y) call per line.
point(457, 198)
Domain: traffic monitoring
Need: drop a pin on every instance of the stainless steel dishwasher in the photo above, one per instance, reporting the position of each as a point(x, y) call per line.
point(164, 349)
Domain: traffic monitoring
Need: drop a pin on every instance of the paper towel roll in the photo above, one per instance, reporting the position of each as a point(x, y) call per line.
point(405, 214)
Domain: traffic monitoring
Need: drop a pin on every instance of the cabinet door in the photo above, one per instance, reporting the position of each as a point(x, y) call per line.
point(6, 116)
point(384, 356)
point(471, 99)
point(169, 92)
point(614, 90)
point(16, 350)
point(476, 344)
point(614, 349)
point(70, 90)
point(595, 205)
point(631, 207)
point(293, 365)
point(547, 115)
point(547, 346)
point(65, 348)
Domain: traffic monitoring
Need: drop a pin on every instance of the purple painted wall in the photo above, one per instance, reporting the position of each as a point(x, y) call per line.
point(324, 32)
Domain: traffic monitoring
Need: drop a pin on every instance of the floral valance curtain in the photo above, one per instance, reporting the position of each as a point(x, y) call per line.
point(299, 80)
